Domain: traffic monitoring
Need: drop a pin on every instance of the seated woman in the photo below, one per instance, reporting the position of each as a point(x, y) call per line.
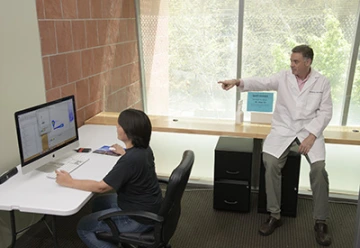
point(133, 178)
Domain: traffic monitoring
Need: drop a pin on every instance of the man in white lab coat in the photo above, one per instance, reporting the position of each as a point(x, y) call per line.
point(303, 109)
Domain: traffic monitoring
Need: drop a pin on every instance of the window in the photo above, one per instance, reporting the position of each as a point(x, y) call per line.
point(189, 45)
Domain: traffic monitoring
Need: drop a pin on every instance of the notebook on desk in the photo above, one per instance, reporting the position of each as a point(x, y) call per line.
point(106, 150)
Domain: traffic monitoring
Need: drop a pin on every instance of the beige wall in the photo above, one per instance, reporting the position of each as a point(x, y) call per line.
point(21, 83)
point(21, 74)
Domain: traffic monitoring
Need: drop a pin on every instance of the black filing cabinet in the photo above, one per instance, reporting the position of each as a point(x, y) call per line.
point(232, 174)
point(289, 186)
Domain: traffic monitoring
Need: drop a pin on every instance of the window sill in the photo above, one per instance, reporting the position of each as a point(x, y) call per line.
point(333, 134)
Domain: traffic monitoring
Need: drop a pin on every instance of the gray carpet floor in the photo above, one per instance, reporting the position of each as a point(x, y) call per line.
point(202, 226)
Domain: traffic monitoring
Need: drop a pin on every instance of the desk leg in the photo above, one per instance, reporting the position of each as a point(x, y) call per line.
point(256, 161)
point(14, 233)
point(52, 229)
point(13, 228)
point(54, 234)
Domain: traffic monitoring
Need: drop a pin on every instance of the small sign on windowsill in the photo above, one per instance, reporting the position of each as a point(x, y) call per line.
point(260, 118)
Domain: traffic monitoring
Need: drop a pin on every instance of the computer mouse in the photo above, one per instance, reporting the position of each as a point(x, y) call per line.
point(112, 148)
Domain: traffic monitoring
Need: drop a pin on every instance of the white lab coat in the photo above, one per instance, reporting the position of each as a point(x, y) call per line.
point(297, 113)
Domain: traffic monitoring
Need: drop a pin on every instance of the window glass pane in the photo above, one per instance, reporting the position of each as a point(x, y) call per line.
point(188, 45)
point(273, 27)
point(354, 109)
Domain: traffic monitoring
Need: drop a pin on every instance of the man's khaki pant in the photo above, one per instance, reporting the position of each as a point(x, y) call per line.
point(318, 179)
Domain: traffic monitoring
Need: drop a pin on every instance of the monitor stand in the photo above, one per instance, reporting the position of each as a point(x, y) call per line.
point(50, 167)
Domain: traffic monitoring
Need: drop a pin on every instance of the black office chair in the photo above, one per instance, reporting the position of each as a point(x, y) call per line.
point(165, 221)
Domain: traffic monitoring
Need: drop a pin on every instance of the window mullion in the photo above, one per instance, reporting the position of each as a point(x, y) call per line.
point(141, 55)
point(240, 44)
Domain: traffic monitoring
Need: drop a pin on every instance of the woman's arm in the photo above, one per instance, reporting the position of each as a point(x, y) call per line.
point(63, 178)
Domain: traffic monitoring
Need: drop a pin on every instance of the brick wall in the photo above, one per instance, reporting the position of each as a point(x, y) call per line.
point(89, 49)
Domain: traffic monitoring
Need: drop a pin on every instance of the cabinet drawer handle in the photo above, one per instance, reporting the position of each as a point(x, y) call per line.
point(233, 172)
point(232, 203)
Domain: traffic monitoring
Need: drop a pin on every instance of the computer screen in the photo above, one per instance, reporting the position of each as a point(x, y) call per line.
point(46, 132)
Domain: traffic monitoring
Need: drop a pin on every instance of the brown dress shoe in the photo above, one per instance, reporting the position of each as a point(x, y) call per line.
point(269, 226)
point(321, 234)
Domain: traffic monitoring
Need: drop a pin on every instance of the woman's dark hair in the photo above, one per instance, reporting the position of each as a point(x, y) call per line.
point(305, 50)
point(137, 126)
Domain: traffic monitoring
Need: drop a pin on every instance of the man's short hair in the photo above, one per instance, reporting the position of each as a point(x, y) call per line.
point(305, 50)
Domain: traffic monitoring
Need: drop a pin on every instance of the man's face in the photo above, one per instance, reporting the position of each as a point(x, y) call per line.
point(299, 65)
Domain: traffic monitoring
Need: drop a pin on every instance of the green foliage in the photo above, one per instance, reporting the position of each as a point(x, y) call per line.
point(203, 49)
point(331, 54)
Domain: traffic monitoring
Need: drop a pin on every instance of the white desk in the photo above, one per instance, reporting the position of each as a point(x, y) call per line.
point(35, 193)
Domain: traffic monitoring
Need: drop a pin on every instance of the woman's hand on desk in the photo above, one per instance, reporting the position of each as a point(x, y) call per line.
point(63, 178)
point(118, 149)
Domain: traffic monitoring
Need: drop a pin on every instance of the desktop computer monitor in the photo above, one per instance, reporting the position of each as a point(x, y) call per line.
point(46, 132)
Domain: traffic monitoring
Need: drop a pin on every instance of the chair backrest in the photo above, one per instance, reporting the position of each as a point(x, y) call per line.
point(171, 207)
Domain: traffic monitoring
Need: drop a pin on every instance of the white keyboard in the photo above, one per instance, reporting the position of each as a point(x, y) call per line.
point(68, 164)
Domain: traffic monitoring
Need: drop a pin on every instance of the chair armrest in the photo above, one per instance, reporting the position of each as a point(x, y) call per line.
point(144, 214)
point(114, 237)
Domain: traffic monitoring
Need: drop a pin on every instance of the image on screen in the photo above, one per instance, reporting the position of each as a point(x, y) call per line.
point(46, 128)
